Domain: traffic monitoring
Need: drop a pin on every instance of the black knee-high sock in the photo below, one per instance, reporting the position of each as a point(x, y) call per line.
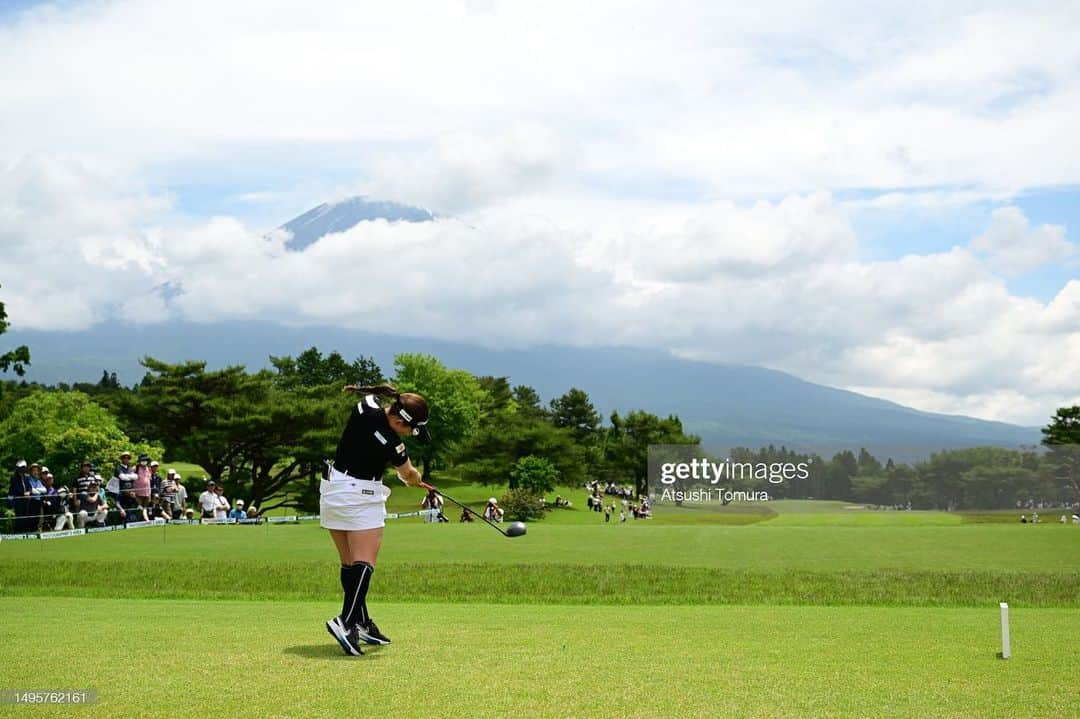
point(357, 604)
point(350, 578)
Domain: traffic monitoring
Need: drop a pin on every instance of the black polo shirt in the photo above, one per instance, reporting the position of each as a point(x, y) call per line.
point(368, 444)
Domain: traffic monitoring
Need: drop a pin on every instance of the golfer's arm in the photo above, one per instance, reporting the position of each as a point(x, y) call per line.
point(408, 474)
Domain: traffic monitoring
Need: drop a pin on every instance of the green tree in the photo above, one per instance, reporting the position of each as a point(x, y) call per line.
point(1062, 438)
point(534, 474)
point(198, 414)
point(499, 398)
point(838, 473)
point(17, 359)
point(311, 369)
point(455, 398)
point(627, 443)
point(489, 454)
point(575, 412)
point(62, 429)
point(528, 404)
point(522, 505)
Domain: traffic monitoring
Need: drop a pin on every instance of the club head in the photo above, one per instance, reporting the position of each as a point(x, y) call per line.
point(516, 529)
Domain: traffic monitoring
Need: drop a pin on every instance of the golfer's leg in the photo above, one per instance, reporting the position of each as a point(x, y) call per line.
point(364, 548)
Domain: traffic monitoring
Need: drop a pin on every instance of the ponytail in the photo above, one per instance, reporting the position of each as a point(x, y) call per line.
point(382, 390)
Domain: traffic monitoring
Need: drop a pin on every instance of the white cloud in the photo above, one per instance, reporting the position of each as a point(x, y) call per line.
point(556, 136)
point(1015, 248)
point(779, 284)
point(770, 98)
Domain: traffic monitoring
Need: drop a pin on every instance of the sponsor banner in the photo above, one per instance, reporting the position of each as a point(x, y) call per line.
point(107, 528)
point(17, 536)
point(63, 533)
point(215, 520)
point(247, 521)
point(149, 523)
point(418, 513)
point(281, 520)
point(308, 518)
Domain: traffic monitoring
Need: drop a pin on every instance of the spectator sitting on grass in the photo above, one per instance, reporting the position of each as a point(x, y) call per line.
point(238, 512)
point(221, 508)
point(208, 500)
point(92, 506)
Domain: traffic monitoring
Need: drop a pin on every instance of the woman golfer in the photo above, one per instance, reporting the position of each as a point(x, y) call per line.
point(352, 503)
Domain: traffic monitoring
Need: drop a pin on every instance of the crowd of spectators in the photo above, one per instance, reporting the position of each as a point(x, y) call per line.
point(134, 492)
point(602, 504)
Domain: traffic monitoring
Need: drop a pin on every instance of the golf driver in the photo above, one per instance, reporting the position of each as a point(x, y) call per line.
point(516, 529)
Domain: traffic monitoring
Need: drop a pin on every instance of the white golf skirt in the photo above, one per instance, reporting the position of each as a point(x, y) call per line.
point(352, 504)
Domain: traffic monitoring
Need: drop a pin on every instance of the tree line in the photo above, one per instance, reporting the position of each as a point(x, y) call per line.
point(265, 435)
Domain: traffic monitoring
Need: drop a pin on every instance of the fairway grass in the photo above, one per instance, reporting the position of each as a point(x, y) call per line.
point(275, 659)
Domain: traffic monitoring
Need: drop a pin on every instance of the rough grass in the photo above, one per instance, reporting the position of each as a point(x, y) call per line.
point(265, 659)
point(537, 584)
point(765, 546)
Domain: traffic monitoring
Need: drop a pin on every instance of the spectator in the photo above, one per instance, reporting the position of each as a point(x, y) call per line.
point(238, 512)
point(155, 478)
point(181, 495)
point(126, 500)
point(221, 508)
point(253, 512)
point(607, 514)
point(156, 510)
point(19, 498)
point(1076, 518)
point(92, 507)
point(169, 494)
point(622, 516)
point(143, 481)
point(82, 482)
point(208, 500)
point(492, 511)
point(54, 510)
point(1023, 519)
point(37, 493)
point(433, 501)
point(466, 516)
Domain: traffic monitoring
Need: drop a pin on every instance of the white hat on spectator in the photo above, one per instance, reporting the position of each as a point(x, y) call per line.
point(171, 471)
point(154, 463)
point(21, 463)
point(239, 503)
point(44, 469)
point(492, 500)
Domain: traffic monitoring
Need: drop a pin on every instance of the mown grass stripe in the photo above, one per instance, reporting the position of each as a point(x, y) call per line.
point(538, 584)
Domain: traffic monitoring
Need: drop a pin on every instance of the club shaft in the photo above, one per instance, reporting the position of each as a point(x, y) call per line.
point(491, 524)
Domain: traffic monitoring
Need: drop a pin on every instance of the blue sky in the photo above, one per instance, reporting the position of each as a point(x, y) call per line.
point(882, 196)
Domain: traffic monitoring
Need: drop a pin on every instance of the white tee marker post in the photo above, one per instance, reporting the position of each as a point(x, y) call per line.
point(1005, 651)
